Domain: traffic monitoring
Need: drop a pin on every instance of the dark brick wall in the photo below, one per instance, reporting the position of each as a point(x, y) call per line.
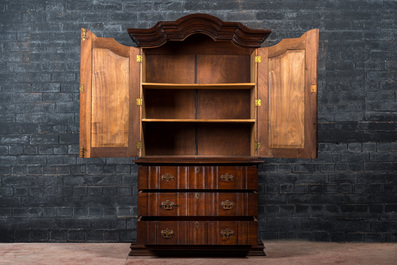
point(48, 194)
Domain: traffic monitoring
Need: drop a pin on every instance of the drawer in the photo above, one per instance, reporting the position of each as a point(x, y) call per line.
point(197, 233)
point(198, 177)
point(197, 204)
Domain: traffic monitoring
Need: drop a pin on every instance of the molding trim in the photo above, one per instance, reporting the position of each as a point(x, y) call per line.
point(206, 24)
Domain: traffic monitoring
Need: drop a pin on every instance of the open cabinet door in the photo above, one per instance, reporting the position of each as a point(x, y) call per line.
point(109, 87)
point(287, 87)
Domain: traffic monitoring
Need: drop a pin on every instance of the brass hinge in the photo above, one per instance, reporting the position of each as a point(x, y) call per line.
point(139, 145)
point(258, 102)
point(257, 145)
point(139, 101)
point(82, 151)
point(313, 88)
point(258, 59)
point(82, 88)
point(84, 32)
point(139, 58)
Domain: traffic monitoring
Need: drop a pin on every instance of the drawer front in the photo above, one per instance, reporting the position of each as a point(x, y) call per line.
point(197, 233)
point(198, 177)
point(197, 204)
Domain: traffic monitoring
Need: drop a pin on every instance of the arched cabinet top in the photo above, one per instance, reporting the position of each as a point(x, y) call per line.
point(188, 25)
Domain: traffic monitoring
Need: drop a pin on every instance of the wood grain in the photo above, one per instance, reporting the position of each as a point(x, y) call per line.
point(209, 233)
point(197, 204)
point(223, 69)
point(85, 95)
point(198, 178)
point(163, 138)
point(287, 100)
point(287, 122)
point(227, 86)
point(223, 104)
point(110, 99)
point(109, 122)
point(170, 69)
point(200, 44)
point(180, 29)
point(169, 104)
point(223, 139)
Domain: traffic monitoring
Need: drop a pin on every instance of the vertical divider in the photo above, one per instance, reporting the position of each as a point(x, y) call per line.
point(195, 104)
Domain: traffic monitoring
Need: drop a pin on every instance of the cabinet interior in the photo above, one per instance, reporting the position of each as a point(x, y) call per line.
point(198, 99)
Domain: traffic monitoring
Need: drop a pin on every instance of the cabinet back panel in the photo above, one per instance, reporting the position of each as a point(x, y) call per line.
point(214, 69)
point(200, 44)
point(170, 138)
point(110, 112)
point(223, 104)
point(178, 69)
point(169, 104)
point(224, 139)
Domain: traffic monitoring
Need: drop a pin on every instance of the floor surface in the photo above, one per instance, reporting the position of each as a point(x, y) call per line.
point(278, 252)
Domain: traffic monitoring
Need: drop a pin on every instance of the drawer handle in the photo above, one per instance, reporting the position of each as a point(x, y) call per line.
point(168, 205)
point(167, 177)
point(227, 178)
point(167, 233)
point(227, 205)
point(226, 234)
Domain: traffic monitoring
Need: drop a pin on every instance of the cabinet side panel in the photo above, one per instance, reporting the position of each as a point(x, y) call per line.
point(141, 233)
point(253, 233)
point(143, 204)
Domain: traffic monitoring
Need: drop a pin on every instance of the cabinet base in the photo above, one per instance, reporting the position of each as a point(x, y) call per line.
point(197, 251)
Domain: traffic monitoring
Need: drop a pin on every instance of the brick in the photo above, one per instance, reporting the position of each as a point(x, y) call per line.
point(65, 211)
point(76, 235)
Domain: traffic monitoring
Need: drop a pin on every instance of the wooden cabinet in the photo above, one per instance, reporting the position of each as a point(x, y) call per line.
point(198, 101)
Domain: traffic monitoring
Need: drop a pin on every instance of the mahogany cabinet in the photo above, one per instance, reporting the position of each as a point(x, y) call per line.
point(198, 102)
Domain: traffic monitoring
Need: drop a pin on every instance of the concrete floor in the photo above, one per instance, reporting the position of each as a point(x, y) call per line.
point(278, 252)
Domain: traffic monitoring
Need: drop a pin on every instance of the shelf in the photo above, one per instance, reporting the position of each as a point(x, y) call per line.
point(197, 159)
point(198, 86)
point(202, 120)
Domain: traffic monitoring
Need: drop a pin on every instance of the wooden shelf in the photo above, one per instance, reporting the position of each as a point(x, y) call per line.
point(202, 120)
point(197, 159)
point(198, 86)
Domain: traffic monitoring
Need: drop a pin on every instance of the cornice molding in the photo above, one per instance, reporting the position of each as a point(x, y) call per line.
point(206, 24)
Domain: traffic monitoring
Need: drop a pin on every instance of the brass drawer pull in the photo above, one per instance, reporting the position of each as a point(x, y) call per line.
point(167, 233)
point(226, 234)
point(167, 177)
point(227, 178)
point(197, 224)
point(167, 205)
point(227, 205)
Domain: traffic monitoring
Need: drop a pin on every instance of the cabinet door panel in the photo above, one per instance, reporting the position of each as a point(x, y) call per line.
point(110, 80)
point(287, 86)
